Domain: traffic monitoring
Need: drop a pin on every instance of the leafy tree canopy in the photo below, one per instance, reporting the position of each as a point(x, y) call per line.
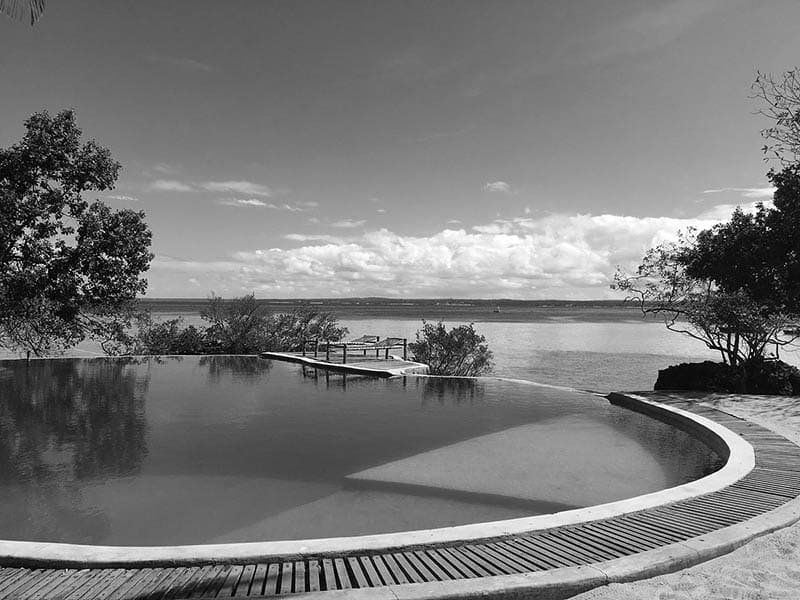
point(68, 269)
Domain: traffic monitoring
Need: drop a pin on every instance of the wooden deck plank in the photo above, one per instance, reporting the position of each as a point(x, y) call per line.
point(287, 578)
point(426, 572)
point(593, 543)
point(567, 546)
point(271, 583)
point(19, 583)
point(329, 573)
point(204, 585)
point(438, 572)
point(541, 543)
point(453, 570)
point(538, 555)
point(314, 583)
point(230, 581)
point(177, 587)
point(466, 560)
point(192, 579)
point(243, 585)
point(299, 576)
point(81, 584)
point(107, 581)
point(256, 587)
point(342, 577)
point(508, 558)
point(35, 583)
point(354, 567)
point(392, 567)
point(370, 571)
point(408, 569)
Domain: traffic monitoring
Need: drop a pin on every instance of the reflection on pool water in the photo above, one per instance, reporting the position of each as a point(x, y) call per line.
point(207, 449)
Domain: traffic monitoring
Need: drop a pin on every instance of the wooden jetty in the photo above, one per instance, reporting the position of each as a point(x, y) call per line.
point(564, 560)
point(367, 355)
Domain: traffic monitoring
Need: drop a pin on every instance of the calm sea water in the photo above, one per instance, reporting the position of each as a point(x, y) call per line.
point(203, 449)
point(570, 350)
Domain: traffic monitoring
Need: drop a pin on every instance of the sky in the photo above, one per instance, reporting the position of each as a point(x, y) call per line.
point(476, 149)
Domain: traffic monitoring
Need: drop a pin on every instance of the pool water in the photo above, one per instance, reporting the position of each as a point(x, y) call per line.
point(230, 448)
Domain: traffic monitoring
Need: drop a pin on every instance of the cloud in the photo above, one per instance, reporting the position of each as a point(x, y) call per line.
point(246, 188)
point(348, 223)
point(170, 185)
point(723, 212)
point(498, 187)
point(258, 203)
point(188, 64)
point(763, 192)
point(380, 210)
point(165, 168)
point(123, 198)
point(547, 256)
point(302, 237)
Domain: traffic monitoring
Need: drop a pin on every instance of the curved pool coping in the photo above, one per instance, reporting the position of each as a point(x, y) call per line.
point(739, 455)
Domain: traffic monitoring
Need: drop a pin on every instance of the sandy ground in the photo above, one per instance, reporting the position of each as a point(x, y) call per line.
point(768, 568)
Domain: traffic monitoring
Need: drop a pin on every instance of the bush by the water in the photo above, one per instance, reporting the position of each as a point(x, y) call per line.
point(238, 326)
point(460, 351)
point(752, 377)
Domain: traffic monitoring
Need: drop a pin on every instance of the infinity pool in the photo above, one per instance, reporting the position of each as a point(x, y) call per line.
point(229, 448)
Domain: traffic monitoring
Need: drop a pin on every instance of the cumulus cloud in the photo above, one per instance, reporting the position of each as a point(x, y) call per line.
point(549, 256)
point(500, 187)
point(762, 192)
point(246, 188)
point(170, 185)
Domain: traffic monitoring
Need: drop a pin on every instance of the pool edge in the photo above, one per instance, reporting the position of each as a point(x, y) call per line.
point(740, 461)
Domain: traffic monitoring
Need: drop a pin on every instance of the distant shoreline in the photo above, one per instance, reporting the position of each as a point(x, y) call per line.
point(456, 310)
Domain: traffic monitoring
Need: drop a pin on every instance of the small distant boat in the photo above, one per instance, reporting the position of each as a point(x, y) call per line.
point(497, 310)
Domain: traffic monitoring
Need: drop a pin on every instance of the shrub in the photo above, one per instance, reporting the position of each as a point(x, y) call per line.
point(752, 377)
point(460, 351)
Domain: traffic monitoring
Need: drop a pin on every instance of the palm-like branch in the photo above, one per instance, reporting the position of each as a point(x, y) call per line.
point(19, 9)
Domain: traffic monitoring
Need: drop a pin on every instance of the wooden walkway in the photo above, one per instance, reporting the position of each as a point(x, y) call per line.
point(774, 481)
point(357, 363)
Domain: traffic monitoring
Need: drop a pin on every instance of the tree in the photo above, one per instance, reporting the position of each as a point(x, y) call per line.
point(729, 321)
point(780, 99)
point(68, 269)
point(458, 352)
point(17, 9)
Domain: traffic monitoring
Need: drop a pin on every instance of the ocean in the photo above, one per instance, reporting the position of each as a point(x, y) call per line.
point(601, 346)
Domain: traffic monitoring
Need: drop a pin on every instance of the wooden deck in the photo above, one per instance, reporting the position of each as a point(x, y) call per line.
point(774, 481)
point(357, 363)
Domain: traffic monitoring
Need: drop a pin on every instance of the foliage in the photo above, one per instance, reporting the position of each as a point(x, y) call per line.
point(757, 254)
point(17, 9)
point(68, 269)
point(238, 326)
point(459, 352)
point(728, 321)
point(164, 337)
point(780, 98)
point(707, 376)
point(751, 377)
point(288, 331)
